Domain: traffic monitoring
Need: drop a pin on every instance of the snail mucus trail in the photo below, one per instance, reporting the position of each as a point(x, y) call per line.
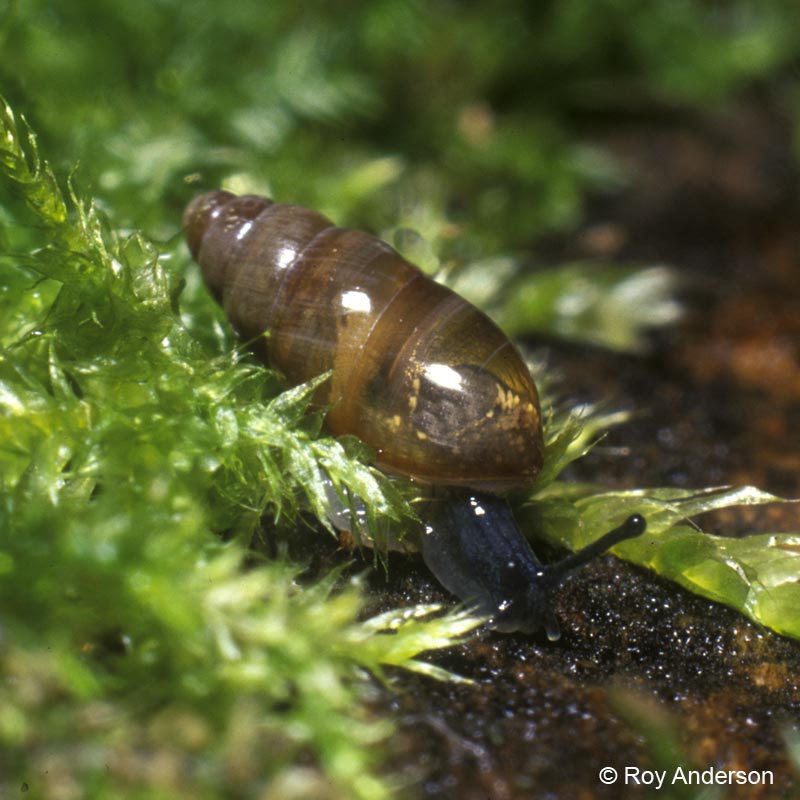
point(424, 378)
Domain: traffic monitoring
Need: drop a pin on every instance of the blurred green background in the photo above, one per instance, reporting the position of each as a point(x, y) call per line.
point(481, 113)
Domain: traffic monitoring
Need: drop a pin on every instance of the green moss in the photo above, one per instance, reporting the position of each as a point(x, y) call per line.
point(125, 448)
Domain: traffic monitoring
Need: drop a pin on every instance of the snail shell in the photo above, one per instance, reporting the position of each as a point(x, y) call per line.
point(423, 377)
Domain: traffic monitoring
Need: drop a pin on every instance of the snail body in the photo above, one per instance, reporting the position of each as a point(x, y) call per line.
point(424, 378)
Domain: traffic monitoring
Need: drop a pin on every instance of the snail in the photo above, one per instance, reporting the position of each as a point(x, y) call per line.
point(424, 378)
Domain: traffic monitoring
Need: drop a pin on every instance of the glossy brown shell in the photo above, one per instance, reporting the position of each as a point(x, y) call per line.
point(423, 377)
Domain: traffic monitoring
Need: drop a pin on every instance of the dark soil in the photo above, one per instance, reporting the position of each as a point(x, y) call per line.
point(647, 675)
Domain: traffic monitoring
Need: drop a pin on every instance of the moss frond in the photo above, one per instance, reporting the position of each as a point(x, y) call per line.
point(125, 445)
